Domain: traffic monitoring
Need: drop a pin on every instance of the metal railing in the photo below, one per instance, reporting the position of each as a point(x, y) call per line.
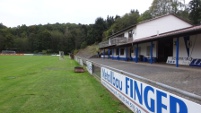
point(113, 41)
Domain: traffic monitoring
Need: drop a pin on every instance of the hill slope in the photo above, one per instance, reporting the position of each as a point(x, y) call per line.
point(88, 52)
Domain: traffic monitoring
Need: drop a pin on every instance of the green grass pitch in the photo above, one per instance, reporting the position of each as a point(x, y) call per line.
point(45, 84)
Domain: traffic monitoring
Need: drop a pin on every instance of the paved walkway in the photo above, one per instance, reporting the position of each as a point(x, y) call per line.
point(184, 78)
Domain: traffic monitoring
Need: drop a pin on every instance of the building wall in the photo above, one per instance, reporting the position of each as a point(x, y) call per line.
point(126, 34)
point(143, 47)
point(194, 50)
point(114, 52)
point(133, 31)
point(196, 46)
point(158, 26)
point(124, 55)
point(118, 57)
point(142, 50)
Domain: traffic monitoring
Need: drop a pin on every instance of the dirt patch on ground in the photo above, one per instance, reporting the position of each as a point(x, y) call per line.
point(88, 52)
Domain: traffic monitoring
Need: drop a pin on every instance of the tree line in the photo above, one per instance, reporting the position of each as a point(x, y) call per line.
point(67, 37)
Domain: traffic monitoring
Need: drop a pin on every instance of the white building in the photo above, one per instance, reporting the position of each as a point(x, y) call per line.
point(163, 39)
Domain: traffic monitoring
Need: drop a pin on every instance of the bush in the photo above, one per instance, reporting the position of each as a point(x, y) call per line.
point(84, 44)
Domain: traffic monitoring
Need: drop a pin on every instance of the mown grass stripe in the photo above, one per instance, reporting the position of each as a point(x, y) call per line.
point(45, 84)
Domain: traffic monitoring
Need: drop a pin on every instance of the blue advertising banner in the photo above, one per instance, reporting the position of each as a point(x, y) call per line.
point(196, 62)
point(143, 98)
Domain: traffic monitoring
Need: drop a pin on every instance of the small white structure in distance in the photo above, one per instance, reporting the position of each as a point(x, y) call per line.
point(61, 55)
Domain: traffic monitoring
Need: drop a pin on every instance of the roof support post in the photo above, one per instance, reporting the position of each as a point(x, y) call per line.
point(151, 52)
point(136, 54)
point(177, 52)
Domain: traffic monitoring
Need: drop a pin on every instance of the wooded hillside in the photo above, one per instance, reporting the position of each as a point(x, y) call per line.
point(68, 37)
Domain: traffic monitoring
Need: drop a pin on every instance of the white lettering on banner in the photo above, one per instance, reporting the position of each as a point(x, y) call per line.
point(109, 76)
point(89, 67)
point(144, 98)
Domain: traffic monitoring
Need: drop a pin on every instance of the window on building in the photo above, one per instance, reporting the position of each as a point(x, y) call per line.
point(117, 51)
point(130, 34)
point(139, 50)
point(122, 51)
point(110, 52)
point(134, 31)
point(148, 50)
point(132, 49)
point(106, 52)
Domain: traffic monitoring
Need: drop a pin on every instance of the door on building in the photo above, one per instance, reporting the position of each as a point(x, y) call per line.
point(165, 49)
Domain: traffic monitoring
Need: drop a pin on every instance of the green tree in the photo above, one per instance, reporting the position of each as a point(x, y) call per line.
point(69, 42)
point(56, 40)
point(99, 28)
point(145, 16)
point(109, 21)
point(45, 40)
point(9, 41)
point(33, 42)
point(162, 7)
point(123, 22)
point(2, 26)
point(184, 14)
point(91, 35)
point(21, 44)
point(2, 39)
point(84, 44)
point(195, 11)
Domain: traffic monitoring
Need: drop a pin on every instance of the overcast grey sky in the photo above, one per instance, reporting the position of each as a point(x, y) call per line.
point(31, 12)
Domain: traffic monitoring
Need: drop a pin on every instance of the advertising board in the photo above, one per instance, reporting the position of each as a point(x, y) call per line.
point(89, 67)
point(196, 62)
point(81, 62)
point(182, 60)
point(143, 98)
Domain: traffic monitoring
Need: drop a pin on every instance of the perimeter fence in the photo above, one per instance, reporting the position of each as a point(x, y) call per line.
point(142, 95)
